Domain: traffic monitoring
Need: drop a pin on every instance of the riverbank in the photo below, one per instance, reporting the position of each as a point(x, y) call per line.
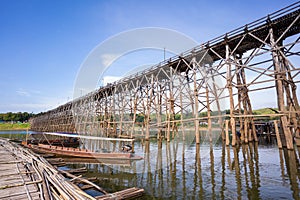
point(17, 126)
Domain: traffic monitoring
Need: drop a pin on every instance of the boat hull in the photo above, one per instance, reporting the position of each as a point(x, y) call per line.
point(81, 153)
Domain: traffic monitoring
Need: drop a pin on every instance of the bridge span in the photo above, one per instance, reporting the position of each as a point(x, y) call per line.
point(194, 88)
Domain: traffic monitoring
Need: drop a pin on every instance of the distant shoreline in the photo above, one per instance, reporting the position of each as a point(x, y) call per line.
point(14, 127)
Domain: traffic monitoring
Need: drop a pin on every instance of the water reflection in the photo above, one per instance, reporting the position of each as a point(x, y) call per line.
point(292, 165)
point(184, 170)
point(181, 171)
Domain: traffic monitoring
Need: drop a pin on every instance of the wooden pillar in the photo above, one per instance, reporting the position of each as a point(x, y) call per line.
point(167, 118)
point(132, 145)
point(121, 113)
point(158, 112)
point(233, 131)
point(294, 106)
point(229, 86)
point(254, 131)
point(172, 104)
point(181, 113)
point(113, 113)
point(197, 134)
point(277, 135)
point(280, 92)
point(134, 113)
point(208, 115)
point(149, 101)
point(240, 99)
point(243, 99)
point(246, 130)
point(227, 133)
point(250, 133)
point(216, 96)
point(172, 115)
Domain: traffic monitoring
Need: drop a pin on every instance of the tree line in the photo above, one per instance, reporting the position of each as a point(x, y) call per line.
point(15, 117)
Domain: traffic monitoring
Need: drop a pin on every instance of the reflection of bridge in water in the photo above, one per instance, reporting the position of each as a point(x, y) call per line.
point(173, 95)
point(183, 171)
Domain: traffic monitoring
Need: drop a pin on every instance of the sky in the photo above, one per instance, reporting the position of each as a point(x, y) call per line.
point(44, 43)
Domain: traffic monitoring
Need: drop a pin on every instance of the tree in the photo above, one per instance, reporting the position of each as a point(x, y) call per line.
point(16, 117)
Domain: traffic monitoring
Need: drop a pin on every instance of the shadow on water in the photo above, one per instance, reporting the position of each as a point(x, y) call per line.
point(183, 170)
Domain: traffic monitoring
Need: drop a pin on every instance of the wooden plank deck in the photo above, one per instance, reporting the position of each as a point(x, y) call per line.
point(25, 175)
point(17, 179)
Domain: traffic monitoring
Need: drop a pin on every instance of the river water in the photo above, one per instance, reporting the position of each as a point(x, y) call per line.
point(183, 170)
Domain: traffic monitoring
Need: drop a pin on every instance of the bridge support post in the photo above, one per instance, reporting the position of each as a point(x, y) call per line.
point(196, 103)
point(134, 114)
point(277, 135)
point(181, 111)
point(279, 72)
point(247, 126)
point(158, 112)
point(229, 86)
point(227, 133)
point(209, 128)
point(215, 93)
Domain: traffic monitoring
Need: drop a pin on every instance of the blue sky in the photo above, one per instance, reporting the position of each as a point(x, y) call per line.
point(44, 43)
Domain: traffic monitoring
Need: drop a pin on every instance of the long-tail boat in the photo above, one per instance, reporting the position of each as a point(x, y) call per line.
point(80, 152)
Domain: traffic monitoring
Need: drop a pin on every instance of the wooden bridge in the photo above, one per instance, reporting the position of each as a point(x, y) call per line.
point(231, 69)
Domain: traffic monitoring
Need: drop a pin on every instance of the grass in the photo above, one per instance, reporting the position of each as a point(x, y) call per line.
point(17, 126)
point(264, 111)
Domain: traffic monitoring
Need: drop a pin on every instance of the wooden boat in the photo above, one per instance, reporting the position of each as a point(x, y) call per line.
point(81, 153)
point(69, 142)
point(76, 160)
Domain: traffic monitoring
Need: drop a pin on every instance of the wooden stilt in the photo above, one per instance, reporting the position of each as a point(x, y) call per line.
point(196, 115)
point(208, 115)
point(158, 114)
point(134, 115)
point(227, 132)
point(280, 92)
point(167, 118)
point(229, 86)
point(233, 131)
point(181, 115)
point(277, 135)
point(246, 130)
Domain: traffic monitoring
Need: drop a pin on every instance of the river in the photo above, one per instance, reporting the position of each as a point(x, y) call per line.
point(183, 170)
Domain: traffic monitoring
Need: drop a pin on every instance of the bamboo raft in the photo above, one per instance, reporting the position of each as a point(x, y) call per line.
point(25, 175)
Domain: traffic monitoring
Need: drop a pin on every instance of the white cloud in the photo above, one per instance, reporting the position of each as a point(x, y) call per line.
point(22, 92)
point(26, 93)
